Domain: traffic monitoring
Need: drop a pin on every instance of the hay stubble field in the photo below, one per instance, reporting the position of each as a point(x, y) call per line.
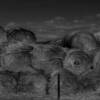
point(53, 29)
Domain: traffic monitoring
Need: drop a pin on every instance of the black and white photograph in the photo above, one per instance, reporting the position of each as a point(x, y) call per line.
point(49, 50)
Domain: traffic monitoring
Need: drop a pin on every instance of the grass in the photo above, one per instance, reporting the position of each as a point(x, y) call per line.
point(58, 27)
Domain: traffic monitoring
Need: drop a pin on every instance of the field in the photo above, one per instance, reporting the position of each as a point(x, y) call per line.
point(57, 28)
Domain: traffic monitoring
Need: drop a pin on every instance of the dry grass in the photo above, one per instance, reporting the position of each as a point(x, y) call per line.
point(55, 28)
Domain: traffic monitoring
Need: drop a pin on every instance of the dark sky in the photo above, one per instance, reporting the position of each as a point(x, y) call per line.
point(38, 10)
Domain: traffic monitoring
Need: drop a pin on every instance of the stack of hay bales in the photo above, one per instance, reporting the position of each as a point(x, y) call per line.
point(30, 68)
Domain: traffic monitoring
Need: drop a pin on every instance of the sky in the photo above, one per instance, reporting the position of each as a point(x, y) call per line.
point(39, 10)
